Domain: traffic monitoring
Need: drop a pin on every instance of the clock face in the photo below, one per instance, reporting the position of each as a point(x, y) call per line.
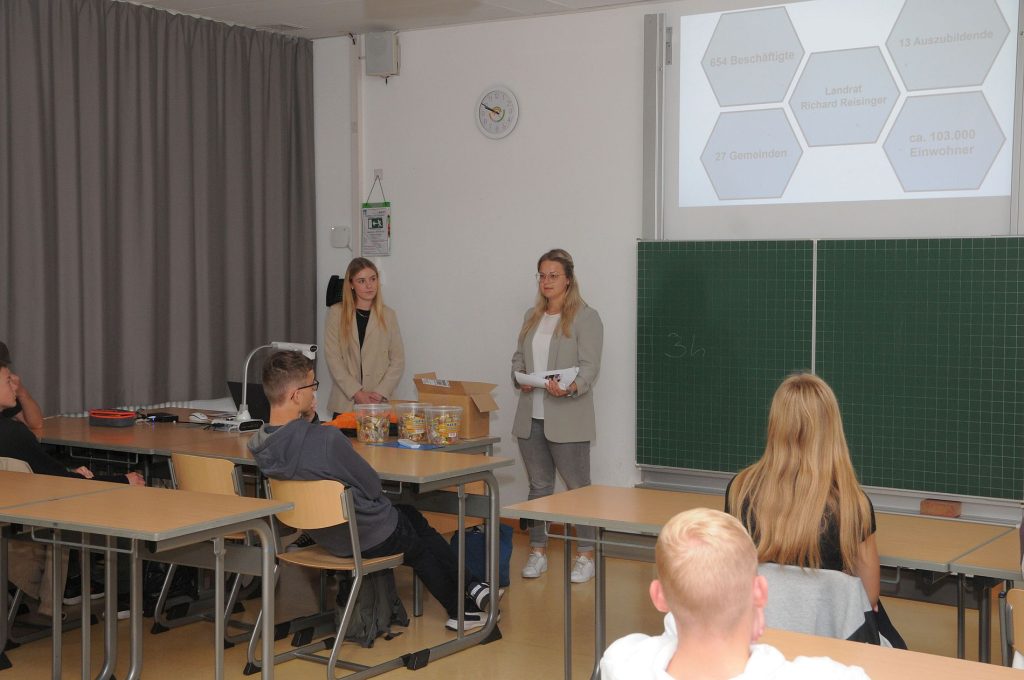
point(497, 112)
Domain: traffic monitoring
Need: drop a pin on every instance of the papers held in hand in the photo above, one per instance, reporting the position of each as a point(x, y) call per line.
point(564, 377)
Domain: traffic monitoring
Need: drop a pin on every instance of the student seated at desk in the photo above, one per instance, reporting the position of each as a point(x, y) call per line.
point(29, 566)
point(713, 599)
point(801, 502)
point(290, 447)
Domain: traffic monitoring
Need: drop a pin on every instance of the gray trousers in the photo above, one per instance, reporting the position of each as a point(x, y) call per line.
point(542, 458)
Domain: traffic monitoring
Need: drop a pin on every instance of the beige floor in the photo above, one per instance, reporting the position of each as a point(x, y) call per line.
point(531, 625)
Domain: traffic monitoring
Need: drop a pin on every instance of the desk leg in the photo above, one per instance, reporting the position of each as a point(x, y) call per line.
point(56, 627)
point(5, 663)
point(218, 606)
point(1004, 651)
point(960, 616)
point(984, 591)
point(135, 668)
point(110, 611)
point(85, 560)
point(599, 603)
point(267, 544)
point(567, 604)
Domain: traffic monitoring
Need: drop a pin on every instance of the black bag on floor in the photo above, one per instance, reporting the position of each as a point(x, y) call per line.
point(377, 608)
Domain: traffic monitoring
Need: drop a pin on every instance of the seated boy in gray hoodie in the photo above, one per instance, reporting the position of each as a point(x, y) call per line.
point(291, 447)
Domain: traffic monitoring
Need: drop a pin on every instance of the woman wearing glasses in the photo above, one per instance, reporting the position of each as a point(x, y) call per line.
point(362, 341)
point(555, 426)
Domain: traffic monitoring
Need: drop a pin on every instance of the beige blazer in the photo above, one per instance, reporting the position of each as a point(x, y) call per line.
point(566, 419)
point(377, 367)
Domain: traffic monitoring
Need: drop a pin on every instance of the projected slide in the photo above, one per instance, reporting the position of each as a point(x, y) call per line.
point(831, 100)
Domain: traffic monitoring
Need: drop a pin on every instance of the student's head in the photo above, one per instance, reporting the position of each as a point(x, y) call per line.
point(707, 573)
point(804, 421)
point(362, 281)
point(362, 291)
point(7, 393)
point(290, 383)
point(804, 475)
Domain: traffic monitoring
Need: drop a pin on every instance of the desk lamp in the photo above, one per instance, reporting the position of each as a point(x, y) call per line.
point(242, 421)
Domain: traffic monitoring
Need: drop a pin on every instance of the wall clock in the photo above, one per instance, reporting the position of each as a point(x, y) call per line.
point(497, 112)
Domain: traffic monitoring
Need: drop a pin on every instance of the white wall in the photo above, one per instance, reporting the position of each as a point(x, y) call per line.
point(471, 215)
point(333, 97)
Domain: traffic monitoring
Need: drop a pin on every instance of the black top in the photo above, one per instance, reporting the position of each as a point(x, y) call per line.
point(12, 411)
point(17, 441)
point(828, 544)
point(362, 319)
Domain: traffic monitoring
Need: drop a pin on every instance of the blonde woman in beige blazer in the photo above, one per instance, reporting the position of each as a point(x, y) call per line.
point(362, 341)
point(554, 426)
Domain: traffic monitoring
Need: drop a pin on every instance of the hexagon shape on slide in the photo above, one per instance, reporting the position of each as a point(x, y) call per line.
point(751, 154)
point(752, 57)
point(946, 43)
point(844, 97)
point(944, 142)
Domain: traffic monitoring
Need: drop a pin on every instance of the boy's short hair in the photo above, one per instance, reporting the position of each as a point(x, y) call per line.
point(283, 370)
point(707, 565)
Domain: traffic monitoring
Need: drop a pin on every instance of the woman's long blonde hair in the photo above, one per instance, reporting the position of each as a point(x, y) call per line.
point(804, 479)
point(573, 300)
point(348, 298)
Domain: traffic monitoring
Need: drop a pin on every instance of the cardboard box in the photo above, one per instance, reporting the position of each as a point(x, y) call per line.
point(474, 398)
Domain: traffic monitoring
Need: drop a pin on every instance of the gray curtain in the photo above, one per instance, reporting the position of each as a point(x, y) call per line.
point(156, 200)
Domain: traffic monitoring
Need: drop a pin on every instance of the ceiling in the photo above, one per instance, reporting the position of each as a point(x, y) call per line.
point(327, 18)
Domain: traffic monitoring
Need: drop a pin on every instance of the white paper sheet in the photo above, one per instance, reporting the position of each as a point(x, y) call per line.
point(564, 376)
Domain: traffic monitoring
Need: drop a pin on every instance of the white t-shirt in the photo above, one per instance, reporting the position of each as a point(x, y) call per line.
point(541, 345)
point(643, 657)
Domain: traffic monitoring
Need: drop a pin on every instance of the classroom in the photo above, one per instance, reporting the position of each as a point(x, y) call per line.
point(470, 215)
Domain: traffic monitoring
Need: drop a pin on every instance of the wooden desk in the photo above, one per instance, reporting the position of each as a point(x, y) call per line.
point(911, 542)
point(165, 519)
point(881, 663)
point(998, 559)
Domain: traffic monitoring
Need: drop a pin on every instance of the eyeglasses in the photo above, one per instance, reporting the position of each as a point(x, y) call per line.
point(547, 277)
point(315, 385)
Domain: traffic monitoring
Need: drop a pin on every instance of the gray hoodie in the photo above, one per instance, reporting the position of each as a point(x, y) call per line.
point(301, 450)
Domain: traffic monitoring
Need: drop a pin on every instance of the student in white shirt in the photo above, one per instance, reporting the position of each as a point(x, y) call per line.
point(714, 600)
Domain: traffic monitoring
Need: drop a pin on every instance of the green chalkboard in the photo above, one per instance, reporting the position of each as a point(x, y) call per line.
point(719, 324)
point(920, 339)
point(922, 342)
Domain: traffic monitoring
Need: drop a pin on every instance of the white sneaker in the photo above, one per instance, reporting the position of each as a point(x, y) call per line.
point(582, 569)
point(536, 565)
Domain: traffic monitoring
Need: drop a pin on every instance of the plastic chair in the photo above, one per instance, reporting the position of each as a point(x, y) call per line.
point(206, 475)
point(320, 504)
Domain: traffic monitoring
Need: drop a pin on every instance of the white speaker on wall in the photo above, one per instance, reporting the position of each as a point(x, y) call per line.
point(382, 54)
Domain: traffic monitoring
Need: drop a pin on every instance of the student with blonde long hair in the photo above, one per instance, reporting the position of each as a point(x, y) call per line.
point(555, 426)
point(801, 502)
point(362, 341)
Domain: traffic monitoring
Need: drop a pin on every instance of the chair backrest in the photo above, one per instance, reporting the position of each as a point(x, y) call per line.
point(819, 602)
point(204, 474)
point(318, 503)
point(1015, 603)
point(14, 465)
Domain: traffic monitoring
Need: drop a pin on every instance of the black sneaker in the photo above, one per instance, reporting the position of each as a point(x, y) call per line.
point(480, 593)
point(73, 589)
point(472, 621)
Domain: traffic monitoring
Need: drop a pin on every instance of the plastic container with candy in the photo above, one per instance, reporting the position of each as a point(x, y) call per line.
point(412, 420)
point(443, 424)
point(372, 422)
